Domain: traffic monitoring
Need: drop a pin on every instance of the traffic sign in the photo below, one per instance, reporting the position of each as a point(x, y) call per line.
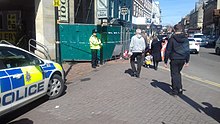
point(102, 9)
point(56, 3)
point(124, 10)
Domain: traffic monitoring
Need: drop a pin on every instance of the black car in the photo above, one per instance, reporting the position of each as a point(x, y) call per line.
point(211, 42)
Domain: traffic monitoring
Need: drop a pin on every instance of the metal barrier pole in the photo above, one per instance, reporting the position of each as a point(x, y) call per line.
point(101, 49)
point(121, 41)
point(58, 52)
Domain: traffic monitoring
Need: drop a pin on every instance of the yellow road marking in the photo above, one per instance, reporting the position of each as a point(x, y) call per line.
point(196, 78)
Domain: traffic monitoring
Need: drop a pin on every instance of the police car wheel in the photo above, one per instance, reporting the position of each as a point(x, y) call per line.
point(55, 87)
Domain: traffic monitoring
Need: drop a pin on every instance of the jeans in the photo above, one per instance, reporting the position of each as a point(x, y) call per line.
point(139, 58)
point(175, 69)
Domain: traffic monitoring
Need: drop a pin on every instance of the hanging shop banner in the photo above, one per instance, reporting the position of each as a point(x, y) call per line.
point(102, 9)
point(64, 11)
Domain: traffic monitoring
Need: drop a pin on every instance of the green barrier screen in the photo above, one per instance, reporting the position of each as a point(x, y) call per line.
point(74, 41)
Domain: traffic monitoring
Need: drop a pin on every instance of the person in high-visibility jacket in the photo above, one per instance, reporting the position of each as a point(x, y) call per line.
point(95, 45)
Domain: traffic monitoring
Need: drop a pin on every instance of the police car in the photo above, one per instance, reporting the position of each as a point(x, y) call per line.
point(25, 77)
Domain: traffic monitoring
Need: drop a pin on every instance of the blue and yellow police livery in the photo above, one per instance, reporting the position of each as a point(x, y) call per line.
point(24, 77)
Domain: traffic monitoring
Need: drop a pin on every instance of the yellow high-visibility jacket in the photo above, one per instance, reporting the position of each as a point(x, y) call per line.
point(95, 43)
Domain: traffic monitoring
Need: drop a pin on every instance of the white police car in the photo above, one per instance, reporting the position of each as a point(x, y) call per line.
point(24, 77)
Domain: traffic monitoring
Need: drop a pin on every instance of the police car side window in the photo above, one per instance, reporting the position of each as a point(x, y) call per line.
point(12, 58)
point(34, 60)
point(2, 65)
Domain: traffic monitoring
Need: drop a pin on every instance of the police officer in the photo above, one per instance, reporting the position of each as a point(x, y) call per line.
point(95, 45)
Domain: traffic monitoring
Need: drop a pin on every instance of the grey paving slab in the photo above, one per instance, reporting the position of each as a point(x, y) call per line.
point(108, 95)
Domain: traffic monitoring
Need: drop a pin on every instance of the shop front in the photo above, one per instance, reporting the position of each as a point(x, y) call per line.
point(17, 21)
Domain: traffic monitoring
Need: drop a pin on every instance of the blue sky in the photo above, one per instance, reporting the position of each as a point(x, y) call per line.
point(173, 10)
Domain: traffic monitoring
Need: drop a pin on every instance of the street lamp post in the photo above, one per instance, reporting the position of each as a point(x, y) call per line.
point(57, 37)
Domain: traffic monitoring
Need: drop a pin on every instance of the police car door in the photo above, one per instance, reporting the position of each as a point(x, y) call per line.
point(25, 75)
point(5, 87)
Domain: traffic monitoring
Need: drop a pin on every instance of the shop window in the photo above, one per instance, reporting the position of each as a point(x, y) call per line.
point(11, 19)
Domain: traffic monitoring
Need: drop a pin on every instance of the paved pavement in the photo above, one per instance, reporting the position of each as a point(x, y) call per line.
point(108, 95)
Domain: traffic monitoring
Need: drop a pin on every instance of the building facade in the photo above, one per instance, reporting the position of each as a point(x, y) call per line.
point(217, 19)
point(142, 10)
point(208, 21)
point(196, 19)
point(156, 13)
point(36, 18)
point(84, 11)
point(185, 22)
point(121, 11)
point(33, 19)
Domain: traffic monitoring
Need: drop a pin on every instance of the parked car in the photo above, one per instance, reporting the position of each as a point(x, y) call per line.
point(199, 37)
point(212, 42)
point(25, 77)
point(194, 46)
point(217, 46)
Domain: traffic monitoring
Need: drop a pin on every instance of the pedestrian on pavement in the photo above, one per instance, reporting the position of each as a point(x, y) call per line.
point(156, 51)
point(179, 54)
point(136, 50)
point(164, 45)
point(148, 60)
point(145, 36)
point(95, 45)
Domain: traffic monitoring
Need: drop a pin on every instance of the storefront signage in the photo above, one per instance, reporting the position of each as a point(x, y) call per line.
point(8, 36)
point(64, 11)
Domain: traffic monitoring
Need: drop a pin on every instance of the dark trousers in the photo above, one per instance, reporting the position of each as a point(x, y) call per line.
point(139, 58)
point(155, 62)
point(175, 68)
point(94, 57)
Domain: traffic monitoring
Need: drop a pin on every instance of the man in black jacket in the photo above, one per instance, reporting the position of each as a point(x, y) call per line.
point(179, 54)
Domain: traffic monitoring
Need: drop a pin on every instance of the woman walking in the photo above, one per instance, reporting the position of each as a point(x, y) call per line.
point(163, 49)
point(156, 51)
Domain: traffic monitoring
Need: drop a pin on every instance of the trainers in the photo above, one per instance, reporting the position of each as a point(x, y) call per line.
point(180, 91)
point(173, 93)
point(134, 74)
